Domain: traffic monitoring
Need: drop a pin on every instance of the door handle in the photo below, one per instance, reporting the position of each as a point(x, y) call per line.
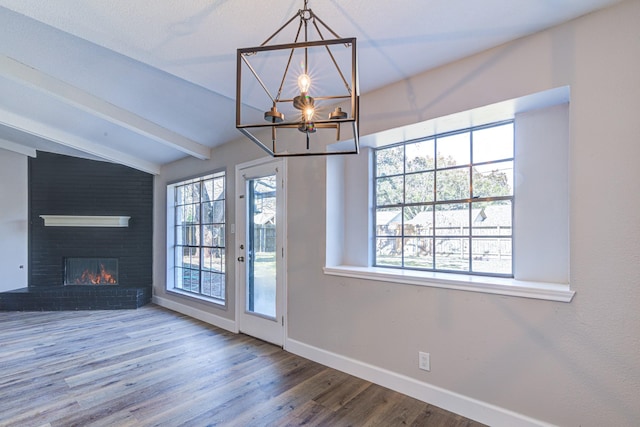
point(241, 258)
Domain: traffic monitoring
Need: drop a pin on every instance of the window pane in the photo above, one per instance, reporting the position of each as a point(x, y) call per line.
point(188, 214)
point(454, 150)
point(388, 221)
point(179, 256)
point(390, 161)
point(206, 283)
point(208, 262)
point(207, 212)
point(418, 252)
point(213, 285)
point(194, 259)
point(199, 247)
point(492, 255)
point(494, 143)
point(186, 256)
point(179, 195)
point(187, 235)
point(218, 211)
point(420, 156)
point(178, 278)
point(419, 187)
point(389, 191)
point(418, 221)
point(218, 188)
point(389, 251)
point(213, 260)
point(213, 212)
point(452, 219)
point(491, 218)
point(179, 234)
point(220, 255)
point(452, 184)
point(192, 193)
point(452, 254)
point(194, 235)
point(492, 180)
point(180, 214)
point(213, 189)
point(217, 258)
point(213, 235)
point(190, 279)
point(207, 190)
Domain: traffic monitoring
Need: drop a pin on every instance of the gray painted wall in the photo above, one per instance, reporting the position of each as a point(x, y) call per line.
point(563, 363)
point(222, 158)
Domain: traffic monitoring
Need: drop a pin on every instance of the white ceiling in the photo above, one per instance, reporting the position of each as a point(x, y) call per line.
point(147, 82)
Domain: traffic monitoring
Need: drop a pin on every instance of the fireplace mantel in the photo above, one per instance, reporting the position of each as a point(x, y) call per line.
point(85, 221)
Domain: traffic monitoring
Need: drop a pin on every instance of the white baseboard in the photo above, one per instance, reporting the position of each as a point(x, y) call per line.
point(467, 407)
point(205, 316)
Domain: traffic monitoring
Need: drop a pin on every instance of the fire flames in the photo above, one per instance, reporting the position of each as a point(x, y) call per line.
point(100, 278)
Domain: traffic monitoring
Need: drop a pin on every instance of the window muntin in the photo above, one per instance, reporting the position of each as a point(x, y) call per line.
point(445, 203)
point(199, 232)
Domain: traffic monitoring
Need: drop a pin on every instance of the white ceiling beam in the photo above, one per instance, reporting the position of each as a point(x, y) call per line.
point(32, 127)
point(17, 148)
point(31, 77)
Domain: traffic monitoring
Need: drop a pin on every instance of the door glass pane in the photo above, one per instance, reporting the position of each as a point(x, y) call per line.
point(261, 283)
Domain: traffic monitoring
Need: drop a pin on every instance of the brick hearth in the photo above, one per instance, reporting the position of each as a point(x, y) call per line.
point(54, 298)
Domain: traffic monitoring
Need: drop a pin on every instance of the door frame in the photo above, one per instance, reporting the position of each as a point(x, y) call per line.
point(240, 235)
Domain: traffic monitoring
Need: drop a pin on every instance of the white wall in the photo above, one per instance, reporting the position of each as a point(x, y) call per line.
point(568, 364)
point(542, 217)
point(13, 221)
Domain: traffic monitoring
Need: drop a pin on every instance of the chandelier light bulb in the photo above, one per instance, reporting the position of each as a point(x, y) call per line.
point(304, 83)
point(308, 114)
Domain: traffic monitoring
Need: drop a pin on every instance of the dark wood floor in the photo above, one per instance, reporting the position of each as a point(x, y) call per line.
point(152, 366)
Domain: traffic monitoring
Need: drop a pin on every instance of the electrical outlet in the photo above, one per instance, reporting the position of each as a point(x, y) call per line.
point(424, 361)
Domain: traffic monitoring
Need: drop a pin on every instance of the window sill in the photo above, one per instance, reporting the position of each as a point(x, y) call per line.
point(489, 285)
point(215, 301)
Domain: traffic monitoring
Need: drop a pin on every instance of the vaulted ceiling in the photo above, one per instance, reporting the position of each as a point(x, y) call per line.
point(148, 82)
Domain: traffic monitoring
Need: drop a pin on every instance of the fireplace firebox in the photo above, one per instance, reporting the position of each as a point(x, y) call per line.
point(91, 271)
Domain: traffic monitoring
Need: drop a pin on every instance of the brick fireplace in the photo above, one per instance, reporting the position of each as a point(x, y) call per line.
point(63, 186)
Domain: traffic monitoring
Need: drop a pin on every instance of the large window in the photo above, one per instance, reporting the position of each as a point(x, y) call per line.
point(199, 236)
point(476, 201)
point(445, 203)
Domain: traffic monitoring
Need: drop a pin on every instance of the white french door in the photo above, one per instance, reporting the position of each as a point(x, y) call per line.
point(260, 249)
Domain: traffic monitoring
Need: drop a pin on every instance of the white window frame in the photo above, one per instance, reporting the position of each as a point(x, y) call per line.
point(468, 201)
point(541, 208)
point(171, 240)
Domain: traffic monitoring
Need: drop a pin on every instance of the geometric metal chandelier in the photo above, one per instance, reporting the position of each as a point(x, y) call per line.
point(300, 98)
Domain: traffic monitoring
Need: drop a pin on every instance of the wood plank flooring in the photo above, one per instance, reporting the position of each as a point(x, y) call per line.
point(154, 367)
